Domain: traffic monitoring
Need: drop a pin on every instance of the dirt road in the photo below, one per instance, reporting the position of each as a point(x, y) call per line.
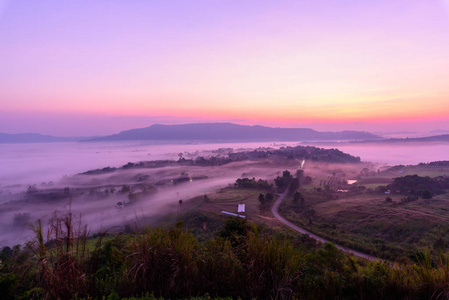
point(274, 211)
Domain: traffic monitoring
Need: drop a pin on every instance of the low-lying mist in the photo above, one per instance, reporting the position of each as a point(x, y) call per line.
point(28, 164)
point(107, 201)
point(404, 153)
point(32, 185)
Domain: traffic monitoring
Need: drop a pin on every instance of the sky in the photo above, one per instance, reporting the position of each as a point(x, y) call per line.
point(73, 68)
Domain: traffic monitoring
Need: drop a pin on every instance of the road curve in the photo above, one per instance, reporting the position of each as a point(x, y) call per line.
point(274, 211)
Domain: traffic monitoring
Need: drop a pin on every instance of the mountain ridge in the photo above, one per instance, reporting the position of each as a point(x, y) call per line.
point(222, 132)
point(19, 138)
point(232, 132)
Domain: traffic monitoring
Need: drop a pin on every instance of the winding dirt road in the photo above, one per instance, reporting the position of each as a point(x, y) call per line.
point(274, 211)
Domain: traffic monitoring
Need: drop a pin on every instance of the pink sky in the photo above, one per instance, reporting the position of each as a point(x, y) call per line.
point(99, 67)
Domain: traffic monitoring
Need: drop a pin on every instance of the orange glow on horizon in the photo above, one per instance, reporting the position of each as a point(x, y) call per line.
point(276, 113)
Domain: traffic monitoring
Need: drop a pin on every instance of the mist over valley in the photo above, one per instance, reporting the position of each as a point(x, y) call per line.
point(38, 181)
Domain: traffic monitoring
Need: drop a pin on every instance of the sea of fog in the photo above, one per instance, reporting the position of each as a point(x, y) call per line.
point(51, 166)
point(36, 163)
point(42, 162)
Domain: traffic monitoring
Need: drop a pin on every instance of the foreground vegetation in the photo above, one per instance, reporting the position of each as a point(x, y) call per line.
point(242, 260)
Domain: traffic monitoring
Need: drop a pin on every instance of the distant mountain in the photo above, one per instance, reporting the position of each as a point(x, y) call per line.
point(233, 132)
point(439, 132)
point(434, 138)
point(443, 138)
point(426, 139)
point(398, 134)
point(6, 138)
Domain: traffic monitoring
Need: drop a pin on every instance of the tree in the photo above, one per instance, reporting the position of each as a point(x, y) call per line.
point(269, 197)
point(32, 189)
point(125, 189)
point(261, 199)
point(426, 194)
point(286, 174)
point(282, 182)
point(252, 183)
point(298, 198)
point(294, 185)
point(179, 210)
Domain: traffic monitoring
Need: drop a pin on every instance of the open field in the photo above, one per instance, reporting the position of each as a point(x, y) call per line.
point(362, 219)
point(203, 214)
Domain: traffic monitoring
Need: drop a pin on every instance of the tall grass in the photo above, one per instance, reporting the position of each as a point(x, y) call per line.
point(163, 262)
point(431, 282)
point(221, 271)
point(61, 258)
point(272, 267)
point(171, 263)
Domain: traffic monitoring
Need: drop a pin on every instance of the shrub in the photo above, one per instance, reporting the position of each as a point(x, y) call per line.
point(426, 194)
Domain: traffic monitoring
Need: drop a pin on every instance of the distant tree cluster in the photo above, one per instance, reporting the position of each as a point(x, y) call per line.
point(298, 152)
point(100, 171)
point(424, 187)
point(247, 183)
point(316, 154)
point(367, 172)
point(32, 189)
point(211, 161)
point(441, 163)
